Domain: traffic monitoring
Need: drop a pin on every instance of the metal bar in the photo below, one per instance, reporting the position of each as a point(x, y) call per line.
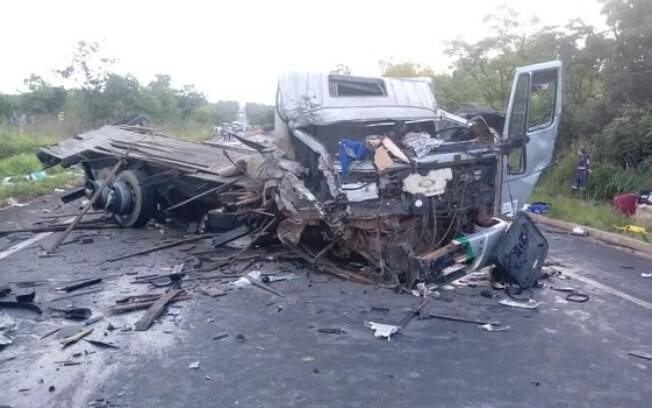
point(200, 195)
point(96, 195)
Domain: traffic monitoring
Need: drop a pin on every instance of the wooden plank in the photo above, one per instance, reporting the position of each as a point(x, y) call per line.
point(156, 310)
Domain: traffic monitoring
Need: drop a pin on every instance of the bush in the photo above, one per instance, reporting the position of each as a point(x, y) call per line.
point(627, 140)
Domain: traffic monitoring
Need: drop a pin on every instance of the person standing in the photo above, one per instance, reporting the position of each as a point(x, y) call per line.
point(582, 170)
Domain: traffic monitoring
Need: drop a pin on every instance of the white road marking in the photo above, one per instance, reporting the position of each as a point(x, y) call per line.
point(608, 289)
point(23, 244)
point(28, 242)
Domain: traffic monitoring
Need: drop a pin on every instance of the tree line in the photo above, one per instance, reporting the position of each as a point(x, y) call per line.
point(92, 94)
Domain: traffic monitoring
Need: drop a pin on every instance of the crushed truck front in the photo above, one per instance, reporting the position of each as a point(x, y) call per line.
point(406, 187)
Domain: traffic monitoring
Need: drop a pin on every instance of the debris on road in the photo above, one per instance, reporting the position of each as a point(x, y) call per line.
point(213, 291)
point(220, 336)
point(101, 344)
point(159, 247)
point(26, 296)
point(579, 231)
point(140, 302)
point(383, 330)
point(194, 365)
point(73, 313)
point(21, 305)
point(156, 309)
point(459, 319)
point(577, 297)
point(646, 275)
point(88, 292)
point(494, 327)
point(76, 337)
point(531, 304)
point(641, 354)
point(328, 330)
point(79, 285)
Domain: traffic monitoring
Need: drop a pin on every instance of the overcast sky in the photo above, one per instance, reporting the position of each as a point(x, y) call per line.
point(237, 49)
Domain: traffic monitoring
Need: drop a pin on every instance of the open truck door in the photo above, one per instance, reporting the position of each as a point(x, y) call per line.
point(530, 130)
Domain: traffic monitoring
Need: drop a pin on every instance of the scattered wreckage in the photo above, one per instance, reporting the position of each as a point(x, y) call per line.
point(365, 178)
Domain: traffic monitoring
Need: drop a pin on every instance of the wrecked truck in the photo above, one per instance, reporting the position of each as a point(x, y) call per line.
point(365, 178)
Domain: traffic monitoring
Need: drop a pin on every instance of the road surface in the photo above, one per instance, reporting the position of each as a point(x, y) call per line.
point(563, 354)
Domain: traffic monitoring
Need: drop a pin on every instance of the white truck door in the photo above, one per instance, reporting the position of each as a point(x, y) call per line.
point(530, 130)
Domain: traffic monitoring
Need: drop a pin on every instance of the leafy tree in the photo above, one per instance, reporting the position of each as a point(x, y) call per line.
point(90, 71)
point(628, 65)
point(160, 99)
point(226, 111)
point(259, 114)
point(188, 99)
point(121, 97)
point(42, 98)
point(6, 107)
point(404, 69)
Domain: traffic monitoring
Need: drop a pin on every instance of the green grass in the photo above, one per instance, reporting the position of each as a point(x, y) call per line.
point(13, 143)
point(18, 159)
point(187, 131)
point(23, 164)
point(24, 190)
point(591, 213)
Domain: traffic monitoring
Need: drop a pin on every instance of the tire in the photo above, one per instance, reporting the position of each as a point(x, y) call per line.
point(144, 200)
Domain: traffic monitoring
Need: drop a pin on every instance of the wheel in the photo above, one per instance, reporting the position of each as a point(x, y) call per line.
point(143, 200)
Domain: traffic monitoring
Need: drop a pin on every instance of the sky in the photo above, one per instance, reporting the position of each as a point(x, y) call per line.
point(235, 50)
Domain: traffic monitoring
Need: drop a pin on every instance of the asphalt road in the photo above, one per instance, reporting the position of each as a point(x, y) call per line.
point(561, 355)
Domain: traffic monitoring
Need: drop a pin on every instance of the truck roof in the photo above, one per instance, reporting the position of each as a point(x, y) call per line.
point(305, 99)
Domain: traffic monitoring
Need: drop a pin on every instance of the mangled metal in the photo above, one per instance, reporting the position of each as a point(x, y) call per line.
point(368, 178)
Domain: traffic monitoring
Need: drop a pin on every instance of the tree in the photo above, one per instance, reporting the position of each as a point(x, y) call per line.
point(6, 107)
point(42, 98)
point(188, 99)
point(628, 66)
point(89, 71)
point(404, 69)
point(160, 99)
point(259, 114)
point(121, 97)
point(226, 111)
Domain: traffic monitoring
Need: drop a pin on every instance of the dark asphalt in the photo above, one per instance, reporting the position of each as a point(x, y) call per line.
point(561, 355)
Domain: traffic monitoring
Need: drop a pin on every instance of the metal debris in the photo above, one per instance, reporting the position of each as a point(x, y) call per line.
point(383, 330)
point(493, 327)
point(82, 284)
point(101, 344)
point(76, 337)
point(531, 304)
point(641, 354)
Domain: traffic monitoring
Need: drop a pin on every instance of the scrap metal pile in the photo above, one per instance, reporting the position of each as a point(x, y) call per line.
point(364, 178)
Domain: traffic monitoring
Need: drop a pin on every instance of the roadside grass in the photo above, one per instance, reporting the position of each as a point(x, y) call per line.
point(24, 190)
point(188, 131)
point(14, 142)
point(23, 164)
point(18, 160)
point(596, 214)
